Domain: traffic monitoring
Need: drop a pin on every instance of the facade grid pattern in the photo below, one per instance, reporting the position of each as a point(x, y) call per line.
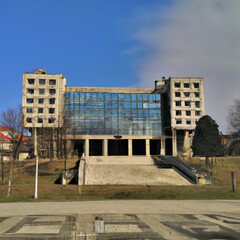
point(94, 113)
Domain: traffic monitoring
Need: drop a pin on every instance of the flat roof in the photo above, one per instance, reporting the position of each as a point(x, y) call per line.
point(110, 90)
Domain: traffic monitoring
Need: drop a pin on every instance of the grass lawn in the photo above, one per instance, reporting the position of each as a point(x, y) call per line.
point(23, 185)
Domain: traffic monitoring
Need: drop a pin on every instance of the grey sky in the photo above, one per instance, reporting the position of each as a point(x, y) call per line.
point(194, 38)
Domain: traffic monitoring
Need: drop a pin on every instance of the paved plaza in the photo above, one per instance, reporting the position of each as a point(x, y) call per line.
point(92, 220)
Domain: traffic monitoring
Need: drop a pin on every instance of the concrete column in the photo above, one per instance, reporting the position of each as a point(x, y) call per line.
point(86, 148)
point(186, 142)
point(129, 147)
point(147, 147)
point(174, 142)
point(105, 147)
point(69, 148)
point(162, 150)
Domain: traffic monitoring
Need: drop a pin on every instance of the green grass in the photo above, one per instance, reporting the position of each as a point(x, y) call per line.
point(23, 186)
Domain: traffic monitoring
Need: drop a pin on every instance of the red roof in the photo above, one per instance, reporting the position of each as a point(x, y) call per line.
point(5, 138)
point(3, 128)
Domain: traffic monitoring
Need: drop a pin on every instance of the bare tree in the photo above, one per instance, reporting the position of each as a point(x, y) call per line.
point(233, 117)
point(12, 118)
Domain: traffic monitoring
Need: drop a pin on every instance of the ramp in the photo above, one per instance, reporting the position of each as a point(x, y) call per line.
point(188, 172)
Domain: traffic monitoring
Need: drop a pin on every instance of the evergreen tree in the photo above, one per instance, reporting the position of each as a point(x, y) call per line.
point(206, 140)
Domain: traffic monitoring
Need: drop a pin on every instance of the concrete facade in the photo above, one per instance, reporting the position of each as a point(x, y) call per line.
point(43, 99)
point(182, 104)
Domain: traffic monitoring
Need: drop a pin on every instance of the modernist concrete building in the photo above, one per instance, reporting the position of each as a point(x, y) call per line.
point(43, 99)
point(115, 121)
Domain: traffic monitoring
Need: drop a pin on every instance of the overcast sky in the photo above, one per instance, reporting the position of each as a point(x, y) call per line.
point(121, 43)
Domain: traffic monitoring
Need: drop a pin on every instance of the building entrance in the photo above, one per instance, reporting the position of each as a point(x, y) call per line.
point(139, 147)
point(95, 147)
point(78, 147)
point(117, 147)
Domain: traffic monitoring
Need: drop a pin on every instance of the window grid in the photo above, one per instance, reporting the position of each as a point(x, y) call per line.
point(113, 113)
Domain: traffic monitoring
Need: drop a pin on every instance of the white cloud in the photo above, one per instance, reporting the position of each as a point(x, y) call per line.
point(194, 38)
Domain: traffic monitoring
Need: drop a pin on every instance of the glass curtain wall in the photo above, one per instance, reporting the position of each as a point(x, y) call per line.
point(92, 113)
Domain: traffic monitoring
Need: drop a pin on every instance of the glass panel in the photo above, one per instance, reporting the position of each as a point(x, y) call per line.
point(112, 113)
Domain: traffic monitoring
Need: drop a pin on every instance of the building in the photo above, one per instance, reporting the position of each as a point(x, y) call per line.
point(114, 121)
point(43, 99)
point(184, 105)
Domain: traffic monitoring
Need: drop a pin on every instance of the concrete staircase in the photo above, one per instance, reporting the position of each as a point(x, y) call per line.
point(137, 170)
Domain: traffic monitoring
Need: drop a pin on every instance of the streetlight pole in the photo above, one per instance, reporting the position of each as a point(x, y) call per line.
point(36, 156)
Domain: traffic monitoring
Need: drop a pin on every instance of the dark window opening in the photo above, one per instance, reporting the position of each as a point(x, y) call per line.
point(29, 120)
point(30, 91)
point(40, 120)
point(139, 147)
point(177, 85)
point(78, 147)
point(52, 91)
point(95, 147)
point(41, 91)
point(177, 94)
point(178, 103)
point(196, 85)
point(155, 146)
point(31, 81)
point(40, 110)
point(196, 94)
point(51, 120)
point(40, 101)
point(117, 147)
point(178, 113)
point(29, 100)
point(52, 101)
point(51, 110)
point(188, 113)
point(52, 82)
point(42, 81)
point(187, 94)
point(186, 85)
point(187, 103)
point(197, 104)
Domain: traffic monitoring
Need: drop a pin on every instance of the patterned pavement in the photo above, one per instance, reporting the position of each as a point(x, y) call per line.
point(121, 226)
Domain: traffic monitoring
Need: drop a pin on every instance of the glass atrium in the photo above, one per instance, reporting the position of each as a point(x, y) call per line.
point(102, 113)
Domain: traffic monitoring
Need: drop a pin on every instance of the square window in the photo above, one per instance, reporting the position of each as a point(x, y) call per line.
point(51, 110)
point(40, 101)
point(196, 85)
point(178, 103)
point(42, 81)
point(196, 94)
point(188, 113)
point(187, 103)
point(40, 110)
point(188, 122)
point(29, 110)
point(178, 121)
point(28, 120)
point(31, 81)
point(197, 113)
point(41, 91)
point(177, 84)
point(177, 94)
point(29, 100)
point(197, 104)
point(51, 120)
point(40, 120)
point(52, 91)
point(30, 90)
point(52, 101)
point(52, 82)
point(187, 94)
point(186, 85)
point(178, 113)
